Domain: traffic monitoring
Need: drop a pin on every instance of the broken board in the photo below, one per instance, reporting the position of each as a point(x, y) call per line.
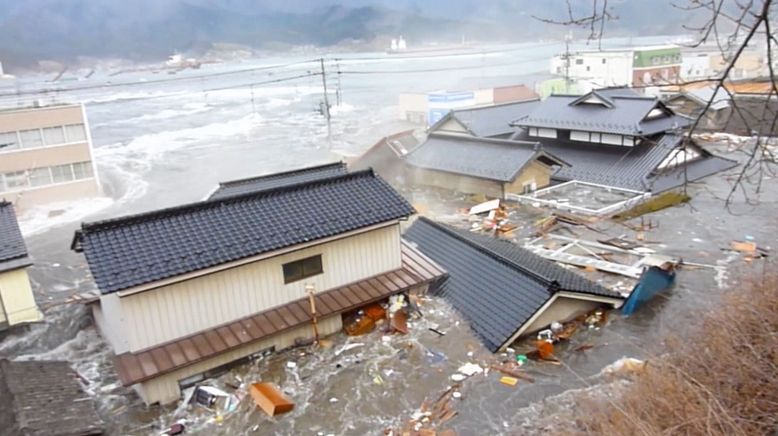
point(270, 399)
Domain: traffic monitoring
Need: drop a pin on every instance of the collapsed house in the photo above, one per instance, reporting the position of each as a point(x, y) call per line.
point(616, 138)
point(187, 291)
point(17, 302)
point(492, 167)
point(44, 398)
point(503, 290)
point(385, 157)
point(692, 103)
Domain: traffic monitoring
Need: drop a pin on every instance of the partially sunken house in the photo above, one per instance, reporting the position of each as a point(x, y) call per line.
point(492, 167)
point(44, 398)
point(617, 138)
point(485, 121)
point(189, 290)
point(504, 291)
point(17, 302)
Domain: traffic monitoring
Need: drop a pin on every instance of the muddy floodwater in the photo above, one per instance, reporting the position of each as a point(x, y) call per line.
point(166, 150)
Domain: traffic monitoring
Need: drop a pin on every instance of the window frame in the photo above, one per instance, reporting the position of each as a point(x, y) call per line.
point(308, 267)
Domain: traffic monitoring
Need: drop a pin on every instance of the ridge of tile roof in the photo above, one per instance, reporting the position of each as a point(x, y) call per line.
point(268, 181)
point(138, 249)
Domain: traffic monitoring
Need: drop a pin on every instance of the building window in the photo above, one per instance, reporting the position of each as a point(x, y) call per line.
point(303, 268)
point(579, 61)
point(54, 135)
point(15, 180)
point(82, 170)
point(9, 141)
point(62, 173)
point(40, 177)
point(75, 133)
point(31, 138)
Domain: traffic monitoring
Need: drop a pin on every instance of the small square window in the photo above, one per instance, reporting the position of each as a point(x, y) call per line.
point(75, 133)
point(54, 135)
point(31, 138)
point(303, 268)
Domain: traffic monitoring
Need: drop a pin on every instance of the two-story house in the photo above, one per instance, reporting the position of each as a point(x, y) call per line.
point(188, 290)
point(17, 302)
point(617, 138)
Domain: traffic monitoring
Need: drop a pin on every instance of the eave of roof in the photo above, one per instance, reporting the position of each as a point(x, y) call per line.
point(270, 181)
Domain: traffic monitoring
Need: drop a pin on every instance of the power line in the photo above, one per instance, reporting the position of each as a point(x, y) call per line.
point(433, 70)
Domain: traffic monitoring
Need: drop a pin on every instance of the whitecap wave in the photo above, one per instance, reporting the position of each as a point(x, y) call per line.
point(44, 217)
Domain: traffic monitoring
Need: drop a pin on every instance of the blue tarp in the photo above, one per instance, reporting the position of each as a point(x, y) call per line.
point(653, 281)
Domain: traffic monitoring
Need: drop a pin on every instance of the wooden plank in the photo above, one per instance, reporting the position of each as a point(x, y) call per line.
point(270, 399)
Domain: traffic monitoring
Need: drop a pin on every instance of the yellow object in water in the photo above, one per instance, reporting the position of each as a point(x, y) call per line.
point(510, 381)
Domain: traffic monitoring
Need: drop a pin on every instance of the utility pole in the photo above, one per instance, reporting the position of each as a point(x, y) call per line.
point(326, 108)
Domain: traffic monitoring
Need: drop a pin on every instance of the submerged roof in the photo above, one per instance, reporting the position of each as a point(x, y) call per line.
point(489, 121)
point(628, 167)
point(44, 398)
point(485, 158)
point(139, 249)
point(497, 285)
point(13, 251)
point(261, 183)
point(616, 111)
point(701, 97)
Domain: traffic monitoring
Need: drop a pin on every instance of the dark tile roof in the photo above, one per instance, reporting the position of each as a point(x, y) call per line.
point(497, 285)
point(44, 398)
point(485, 158)
point(625, 167)
point(490, 121)
point(138, 249)
point(13, 252)
point(270, 181)
point(417, 269)
point(621, 114)
point(692, 171)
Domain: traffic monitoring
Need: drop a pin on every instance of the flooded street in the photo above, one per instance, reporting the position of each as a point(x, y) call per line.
point(162, 145)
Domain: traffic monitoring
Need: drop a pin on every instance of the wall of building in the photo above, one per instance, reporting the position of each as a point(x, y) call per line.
point(535, 172)
point(165, 389)
point(17, 298)
point(414, 107)
point(606, 68)
point(457, 182)
point(181, 309)
point(561, 310)
point(46, 156)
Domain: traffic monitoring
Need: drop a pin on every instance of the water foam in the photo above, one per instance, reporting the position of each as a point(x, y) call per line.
point(44, 217)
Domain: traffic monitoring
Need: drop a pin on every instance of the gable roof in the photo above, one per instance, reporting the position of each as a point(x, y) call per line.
point(701, 96)
point(497, 285)
point(485, 158)
point(269, 181)
point(489, 121)
point(139, 249)
point(13, 251)
point(619, 113)
point(629, 167)
point(44, 398)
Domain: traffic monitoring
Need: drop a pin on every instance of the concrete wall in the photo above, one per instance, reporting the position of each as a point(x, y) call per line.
point(18, 301)
point(165, 389)
point(163, 314)
point(537, 172)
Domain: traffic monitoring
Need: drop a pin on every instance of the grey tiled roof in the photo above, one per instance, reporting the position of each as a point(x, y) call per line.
point(44, 398)
point(626, 167)
point(138, 249)
point(625, 116)
point(692, 171)
point(497, 285)
point(495, 120)
point(13, 252)
point(492, 159)
point(270, 181)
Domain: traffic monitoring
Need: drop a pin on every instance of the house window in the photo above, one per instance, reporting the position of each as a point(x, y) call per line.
point(8, 141)
point(62, 173)
point(611, 139)
point(82, 170)
point(303, 268)
point(54, 135)
point(546, 133)
point(40, 177)
point(15, 180)
point(533, 131)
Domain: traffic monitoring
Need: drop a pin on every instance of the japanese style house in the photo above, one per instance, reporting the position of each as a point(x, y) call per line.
point(17, 302)
point(188, 290)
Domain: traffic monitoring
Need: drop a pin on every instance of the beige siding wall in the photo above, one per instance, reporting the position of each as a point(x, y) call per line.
point(164, 389)
point(457, 183)
point(35, 118)
point(536, 171)
point(181, 309)
point(561, 310)
point(18, 300)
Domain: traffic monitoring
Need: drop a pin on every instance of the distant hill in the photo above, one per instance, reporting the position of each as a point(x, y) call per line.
point(151, 29)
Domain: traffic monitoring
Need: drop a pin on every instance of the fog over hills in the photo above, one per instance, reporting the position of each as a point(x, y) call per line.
point(151, 29)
